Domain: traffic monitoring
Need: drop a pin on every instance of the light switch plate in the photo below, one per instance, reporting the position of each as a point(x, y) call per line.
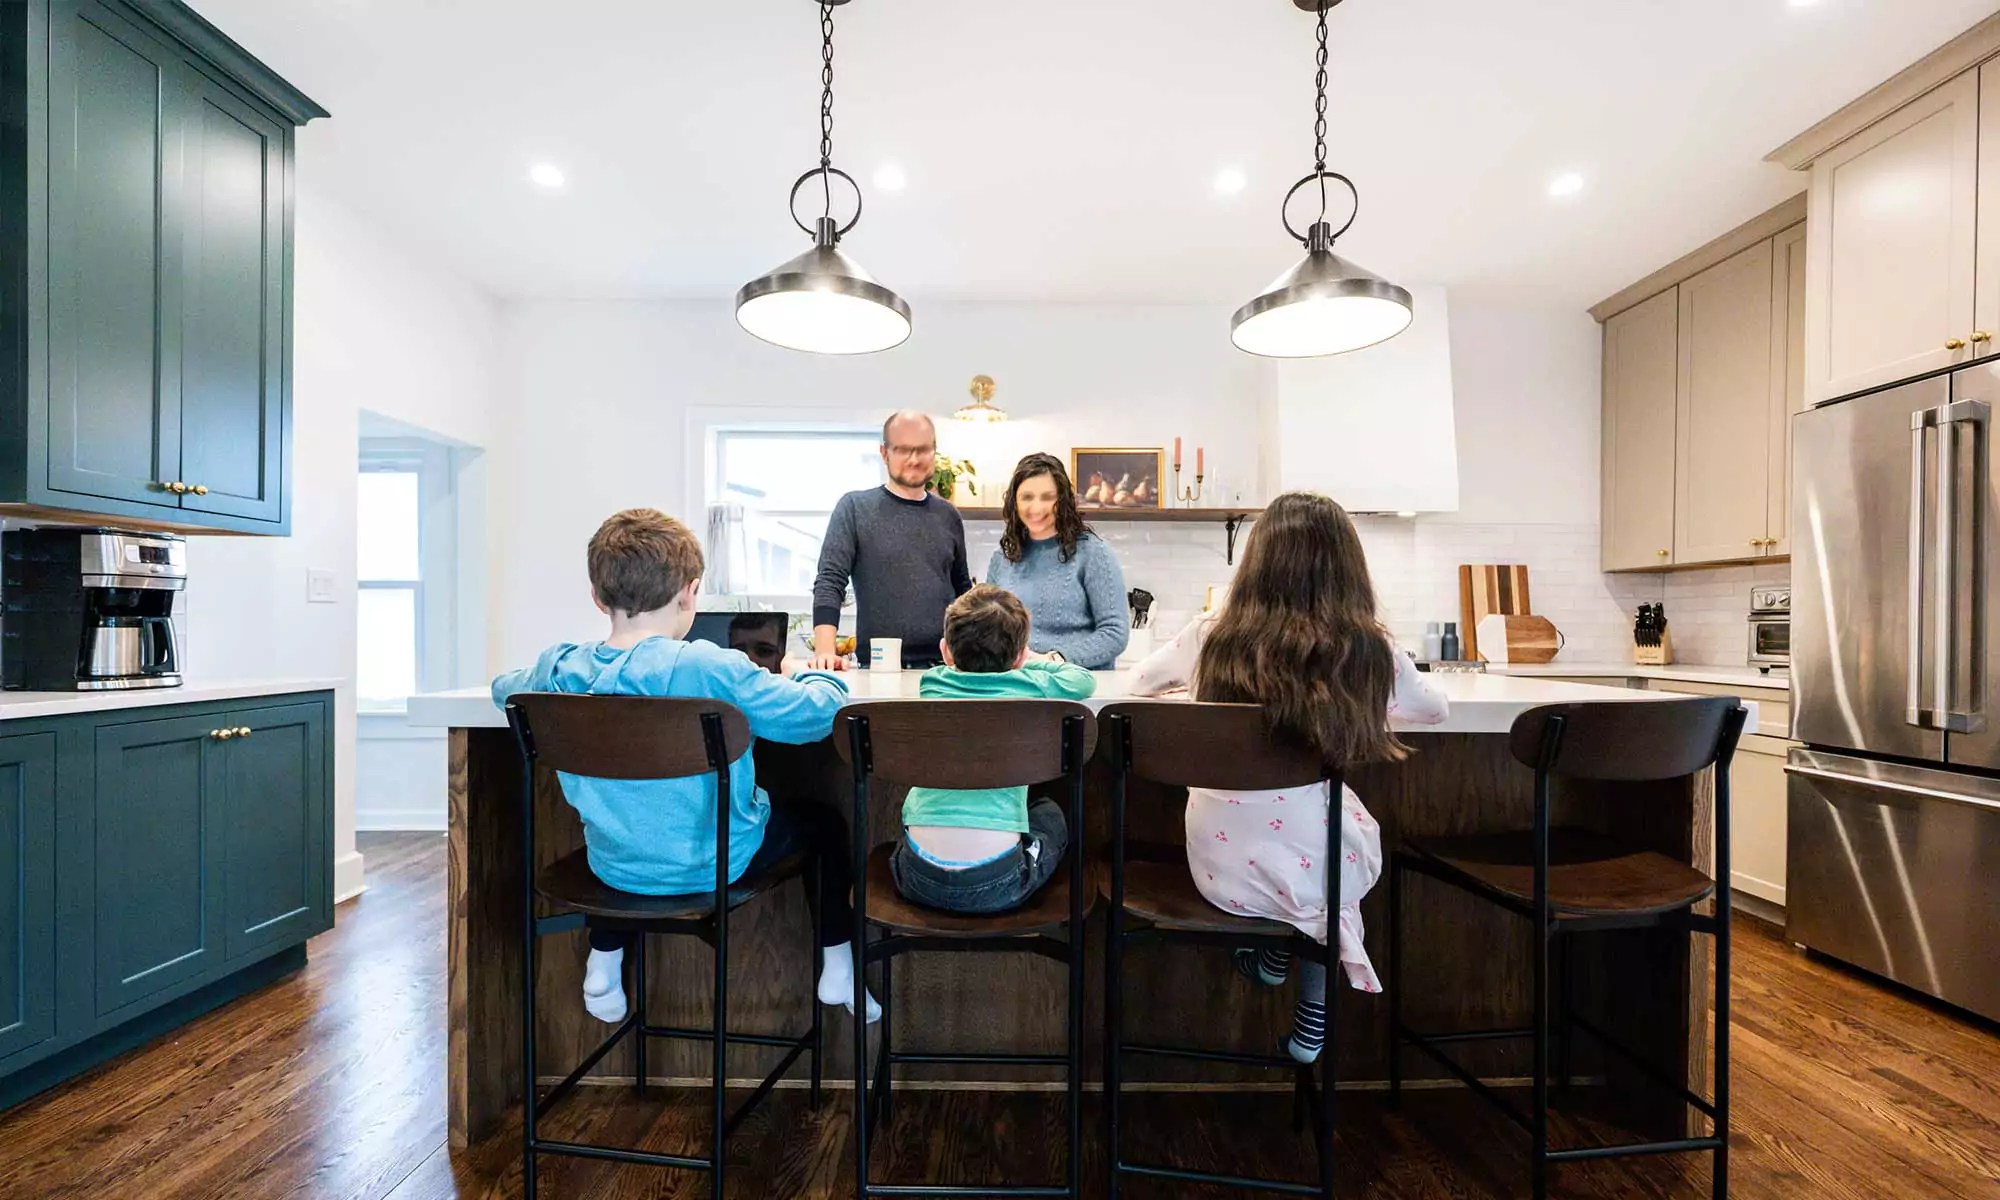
point(319, 587)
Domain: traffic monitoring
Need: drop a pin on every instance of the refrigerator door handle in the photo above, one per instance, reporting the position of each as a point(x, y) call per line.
point(1976, 416)
point(1905, 789)
point(1920, 422)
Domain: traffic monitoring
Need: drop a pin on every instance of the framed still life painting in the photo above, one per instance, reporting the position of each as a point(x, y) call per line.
point(1118, 477)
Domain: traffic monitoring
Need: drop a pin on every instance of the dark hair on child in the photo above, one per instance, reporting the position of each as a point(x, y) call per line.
point(986, 629)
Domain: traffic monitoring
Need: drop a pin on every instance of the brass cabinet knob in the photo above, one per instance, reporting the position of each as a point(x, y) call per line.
point(242, 731)
point(1954, 343)
point(1663, 553)
point(199, 490)
point(222, 735)
point(1980, 335)
point(176, 487)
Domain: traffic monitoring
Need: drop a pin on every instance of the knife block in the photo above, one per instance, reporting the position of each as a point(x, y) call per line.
point(1661, 655)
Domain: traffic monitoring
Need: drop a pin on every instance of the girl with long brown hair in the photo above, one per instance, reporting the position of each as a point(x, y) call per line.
point(1300, 636)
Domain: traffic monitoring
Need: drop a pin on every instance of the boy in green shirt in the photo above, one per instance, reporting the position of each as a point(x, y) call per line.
point(985, 850)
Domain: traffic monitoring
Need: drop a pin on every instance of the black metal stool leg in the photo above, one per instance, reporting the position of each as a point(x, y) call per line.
point(1544, 933)
point(1722, 922)
point(528, 1061)
point(1076, 1058)
point(639, 997)
point(1566, 994)
point(887, 1071)
point(813, 955)
point(1114, 1033)
point(721, 1064)
point(1329, 1067)
point(1395, 981)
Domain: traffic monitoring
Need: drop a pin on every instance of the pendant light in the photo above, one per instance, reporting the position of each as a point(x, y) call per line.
point(1325, 304)
point(981, 409)
point(822, 301)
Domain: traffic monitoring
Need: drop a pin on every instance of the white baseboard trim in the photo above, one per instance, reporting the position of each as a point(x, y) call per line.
point(400, 820)
point(347, 877)
point(1763, 889)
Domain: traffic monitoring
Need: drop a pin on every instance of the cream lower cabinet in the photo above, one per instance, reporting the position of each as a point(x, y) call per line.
point(1757, 800)
point(1641, 363)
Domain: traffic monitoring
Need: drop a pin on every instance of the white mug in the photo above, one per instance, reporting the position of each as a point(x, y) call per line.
point(885, 654)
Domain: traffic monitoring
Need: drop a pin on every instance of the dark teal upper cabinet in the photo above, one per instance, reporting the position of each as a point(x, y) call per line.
point(27, 891)
point(145, 342)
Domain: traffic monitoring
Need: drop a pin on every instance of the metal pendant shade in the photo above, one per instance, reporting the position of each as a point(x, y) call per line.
point(982, 410)
point(1325, 304)
point(823, 302)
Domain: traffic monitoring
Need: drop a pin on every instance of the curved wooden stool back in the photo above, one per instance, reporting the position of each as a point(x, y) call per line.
point(640, 738)
point(1226, 748)
point(964, 744)
point(1569, 881)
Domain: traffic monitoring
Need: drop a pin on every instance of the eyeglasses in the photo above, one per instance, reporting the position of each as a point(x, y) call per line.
point(912, 451)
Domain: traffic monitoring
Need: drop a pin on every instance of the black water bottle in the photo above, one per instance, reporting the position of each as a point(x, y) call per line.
point(1448, 644)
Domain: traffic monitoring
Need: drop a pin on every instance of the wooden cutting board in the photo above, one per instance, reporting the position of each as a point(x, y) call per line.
point(1488, 588)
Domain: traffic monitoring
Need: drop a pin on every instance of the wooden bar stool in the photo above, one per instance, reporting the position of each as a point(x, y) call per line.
point(964, 744)
point(1224, 747)
point(640, 737)
point(1570, 881)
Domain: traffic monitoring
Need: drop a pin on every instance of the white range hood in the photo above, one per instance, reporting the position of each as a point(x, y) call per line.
point(1372, 428)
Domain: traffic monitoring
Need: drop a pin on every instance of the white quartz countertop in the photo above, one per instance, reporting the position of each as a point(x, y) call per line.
point(1479, 703)
point(1750, 677)
point(15, 706)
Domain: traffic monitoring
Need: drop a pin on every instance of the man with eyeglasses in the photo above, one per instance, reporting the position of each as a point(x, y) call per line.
point(903, 547)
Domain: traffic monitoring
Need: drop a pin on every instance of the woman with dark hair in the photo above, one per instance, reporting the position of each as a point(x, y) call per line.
point(1065, 574)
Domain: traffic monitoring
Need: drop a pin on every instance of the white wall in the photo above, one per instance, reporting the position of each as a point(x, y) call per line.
point(608, 401)
point(1526, 382)
point(376, 327)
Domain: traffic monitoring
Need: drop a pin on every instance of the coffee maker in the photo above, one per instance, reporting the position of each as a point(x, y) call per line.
point(90, 609)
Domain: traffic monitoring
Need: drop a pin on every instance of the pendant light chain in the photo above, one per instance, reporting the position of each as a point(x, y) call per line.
point(1319, 111)
point(826, 103)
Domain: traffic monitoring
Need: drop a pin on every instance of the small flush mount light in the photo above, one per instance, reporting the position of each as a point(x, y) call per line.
point(890, 178)
point(981, 409)
point(1569, 183)
point(822, 301)
point(547, 175)
point(1324, 304)
point(1229, 181)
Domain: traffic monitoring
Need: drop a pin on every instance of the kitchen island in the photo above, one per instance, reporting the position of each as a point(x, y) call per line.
point(1468, 963)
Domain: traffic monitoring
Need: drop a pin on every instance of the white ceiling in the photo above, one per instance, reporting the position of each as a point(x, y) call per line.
point(1064, 149)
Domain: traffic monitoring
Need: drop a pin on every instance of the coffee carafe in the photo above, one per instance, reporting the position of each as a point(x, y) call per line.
point(91, 609)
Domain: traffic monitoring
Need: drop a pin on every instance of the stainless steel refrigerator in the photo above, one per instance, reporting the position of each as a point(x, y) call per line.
point(1894, 801)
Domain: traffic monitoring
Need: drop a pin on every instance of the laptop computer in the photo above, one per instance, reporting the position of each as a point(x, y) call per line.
point(761, 635)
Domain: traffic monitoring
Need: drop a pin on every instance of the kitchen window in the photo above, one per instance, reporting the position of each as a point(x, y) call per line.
point(405, 552)
point(771, 493)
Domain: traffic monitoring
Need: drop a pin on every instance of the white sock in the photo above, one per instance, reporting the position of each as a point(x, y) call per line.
point(604, 985)
point(836, 980)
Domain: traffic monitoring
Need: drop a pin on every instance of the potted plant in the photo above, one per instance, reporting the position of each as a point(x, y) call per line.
point(949, 472)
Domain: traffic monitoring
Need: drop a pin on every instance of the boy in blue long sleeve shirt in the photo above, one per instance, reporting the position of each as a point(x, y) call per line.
point(657, 836)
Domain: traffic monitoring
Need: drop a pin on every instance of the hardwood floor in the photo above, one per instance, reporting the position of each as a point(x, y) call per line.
point(331, 1084)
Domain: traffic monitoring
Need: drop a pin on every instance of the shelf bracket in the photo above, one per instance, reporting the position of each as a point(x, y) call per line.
point(1229, 526)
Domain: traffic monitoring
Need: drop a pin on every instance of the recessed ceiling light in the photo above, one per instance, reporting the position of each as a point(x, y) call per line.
point(546, 174)
point(890, 178)
point(1567, 184)
point(1229, 181)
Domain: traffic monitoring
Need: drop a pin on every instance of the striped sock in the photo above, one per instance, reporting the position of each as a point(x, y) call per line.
point(1308, 1031)
point(1268, 967)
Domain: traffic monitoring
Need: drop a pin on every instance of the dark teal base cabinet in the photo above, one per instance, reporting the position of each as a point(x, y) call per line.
point(146, 260)
point(154, 862)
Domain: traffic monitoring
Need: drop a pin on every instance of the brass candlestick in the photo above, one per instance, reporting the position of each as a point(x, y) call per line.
point(1186, 497)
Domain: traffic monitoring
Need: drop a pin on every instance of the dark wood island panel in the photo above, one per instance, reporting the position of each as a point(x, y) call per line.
point(1468, 964)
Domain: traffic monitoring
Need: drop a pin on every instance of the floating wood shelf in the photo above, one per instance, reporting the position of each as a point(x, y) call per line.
point(1231, 519)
